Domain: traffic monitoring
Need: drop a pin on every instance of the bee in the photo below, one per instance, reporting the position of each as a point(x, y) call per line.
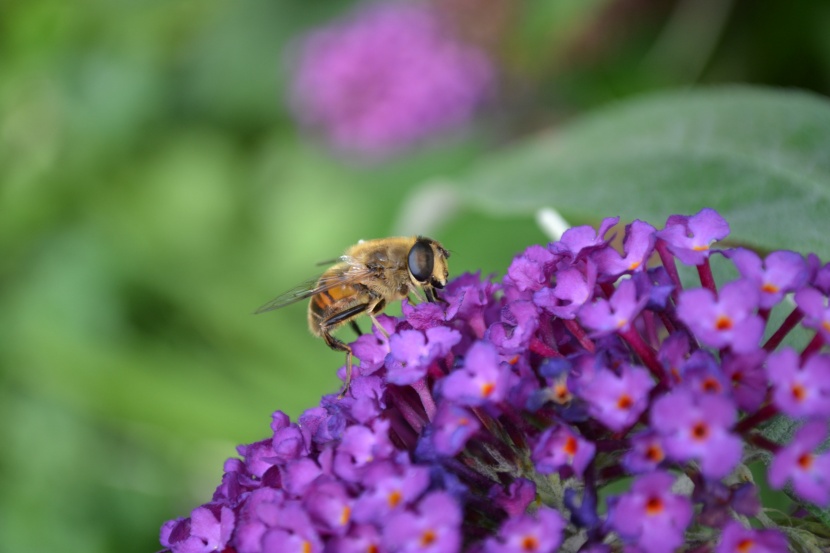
point(363, 281)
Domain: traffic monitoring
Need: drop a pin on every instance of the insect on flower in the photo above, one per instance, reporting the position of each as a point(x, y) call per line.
point(370, 275)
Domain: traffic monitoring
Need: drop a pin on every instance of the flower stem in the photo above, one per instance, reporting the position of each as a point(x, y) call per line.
point(789, 323)
point(645, 353)
point(704, 271)
point(764, 413)
point(580, 335)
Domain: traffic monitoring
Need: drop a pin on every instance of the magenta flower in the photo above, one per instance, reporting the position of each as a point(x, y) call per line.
point(695, 426)
point(650, 515)
point(432, 527)
point(617, 401)
point(737, 539)
point(800, 390)
point(482, 379)
point(386, 78)
point(798, 462)
point(606, 317)
point(729, 320)
point(508, 416)
point(638, 245)
point(541, 533)
point(560, 448)
point(690, 238)
point(780, 273)
point(413, 351)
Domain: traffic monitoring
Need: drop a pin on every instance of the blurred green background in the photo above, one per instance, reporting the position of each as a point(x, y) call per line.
point(154, 190)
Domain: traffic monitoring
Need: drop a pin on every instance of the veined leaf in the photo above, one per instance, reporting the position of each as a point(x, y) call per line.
point(761, 157)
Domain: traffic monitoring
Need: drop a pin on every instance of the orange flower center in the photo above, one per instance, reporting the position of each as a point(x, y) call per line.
point(700, 431)
point(625, 402)
point(428, 538)
point(745, 545)
point(571, 445)
point(530, 543)
point(487, 389)
point(769, 288)
point(805, 461)
point(394, 498)
point(654, 453)
point(798, 392)
point(345, 514)
point(654, 506)
point(561, 393)
point(711, 385)
point(723, 323)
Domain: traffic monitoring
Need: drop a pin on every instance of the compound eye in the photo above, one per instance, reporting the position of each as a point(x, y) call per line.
point(421, 261)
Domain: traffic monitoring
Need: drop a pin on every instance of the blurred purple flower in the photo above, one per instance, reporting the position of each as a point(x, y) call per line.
point(386, 78)
point(497, 419)
point(528, 534)
point(798, 462)
point(690, 238)
point(737, 539)
point(650, 515)
point(800, 390)
point(697, 426)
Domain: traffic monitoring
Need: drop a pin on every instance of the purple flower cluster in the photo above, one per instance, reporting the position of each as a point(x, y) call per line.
point(389, 77)
point(496, 420)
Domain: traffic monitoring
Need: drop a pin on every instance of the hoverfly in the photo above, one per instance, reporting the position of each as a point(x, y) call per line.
point(363, 281)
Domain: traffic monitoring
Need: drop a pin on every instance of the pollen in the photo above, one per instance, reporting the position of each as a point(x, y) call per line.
point(306, 546)
point(798, 392)
point(654, 506)
point(571, 446)
point(654, 453)
point(700, 431)
point(634, 265)
point(345, 515)
point(530, 543)
point(373, 548)
point(825, 325)
point(723, 322)
point(805, 461)
point(428, 538)
point(701, 248)
point(770, 288)
point(561, 393)
point(711, 385)
point(394, 498)
point(625, 402)
point(746, 545)
point(487, 389)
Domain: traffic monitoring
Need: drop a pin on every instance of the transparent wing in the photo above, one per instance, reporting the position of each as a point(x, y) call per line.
point(337, 276)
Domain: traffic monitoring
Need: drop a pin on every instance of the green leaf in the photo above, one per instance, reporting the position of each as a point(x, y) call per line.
point(758, 156)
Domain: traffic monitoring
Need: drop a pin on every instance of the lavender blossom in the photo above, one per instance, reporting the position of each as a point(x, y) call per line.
point(390, 76)
point(504, 418)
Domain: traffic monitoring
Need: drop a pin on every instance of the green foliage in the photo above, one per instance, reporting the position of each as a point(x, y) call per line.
point(757, 156)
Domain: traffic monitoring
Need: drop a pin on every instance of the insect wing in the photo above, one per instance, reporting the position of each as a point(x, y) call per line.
point(298, 293)
point(330, 279)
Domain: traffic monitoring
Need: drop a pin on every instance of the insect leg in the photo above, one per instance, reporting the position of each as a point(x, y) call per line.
point(377, 308)
point(329, 324)
point(356, 328)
